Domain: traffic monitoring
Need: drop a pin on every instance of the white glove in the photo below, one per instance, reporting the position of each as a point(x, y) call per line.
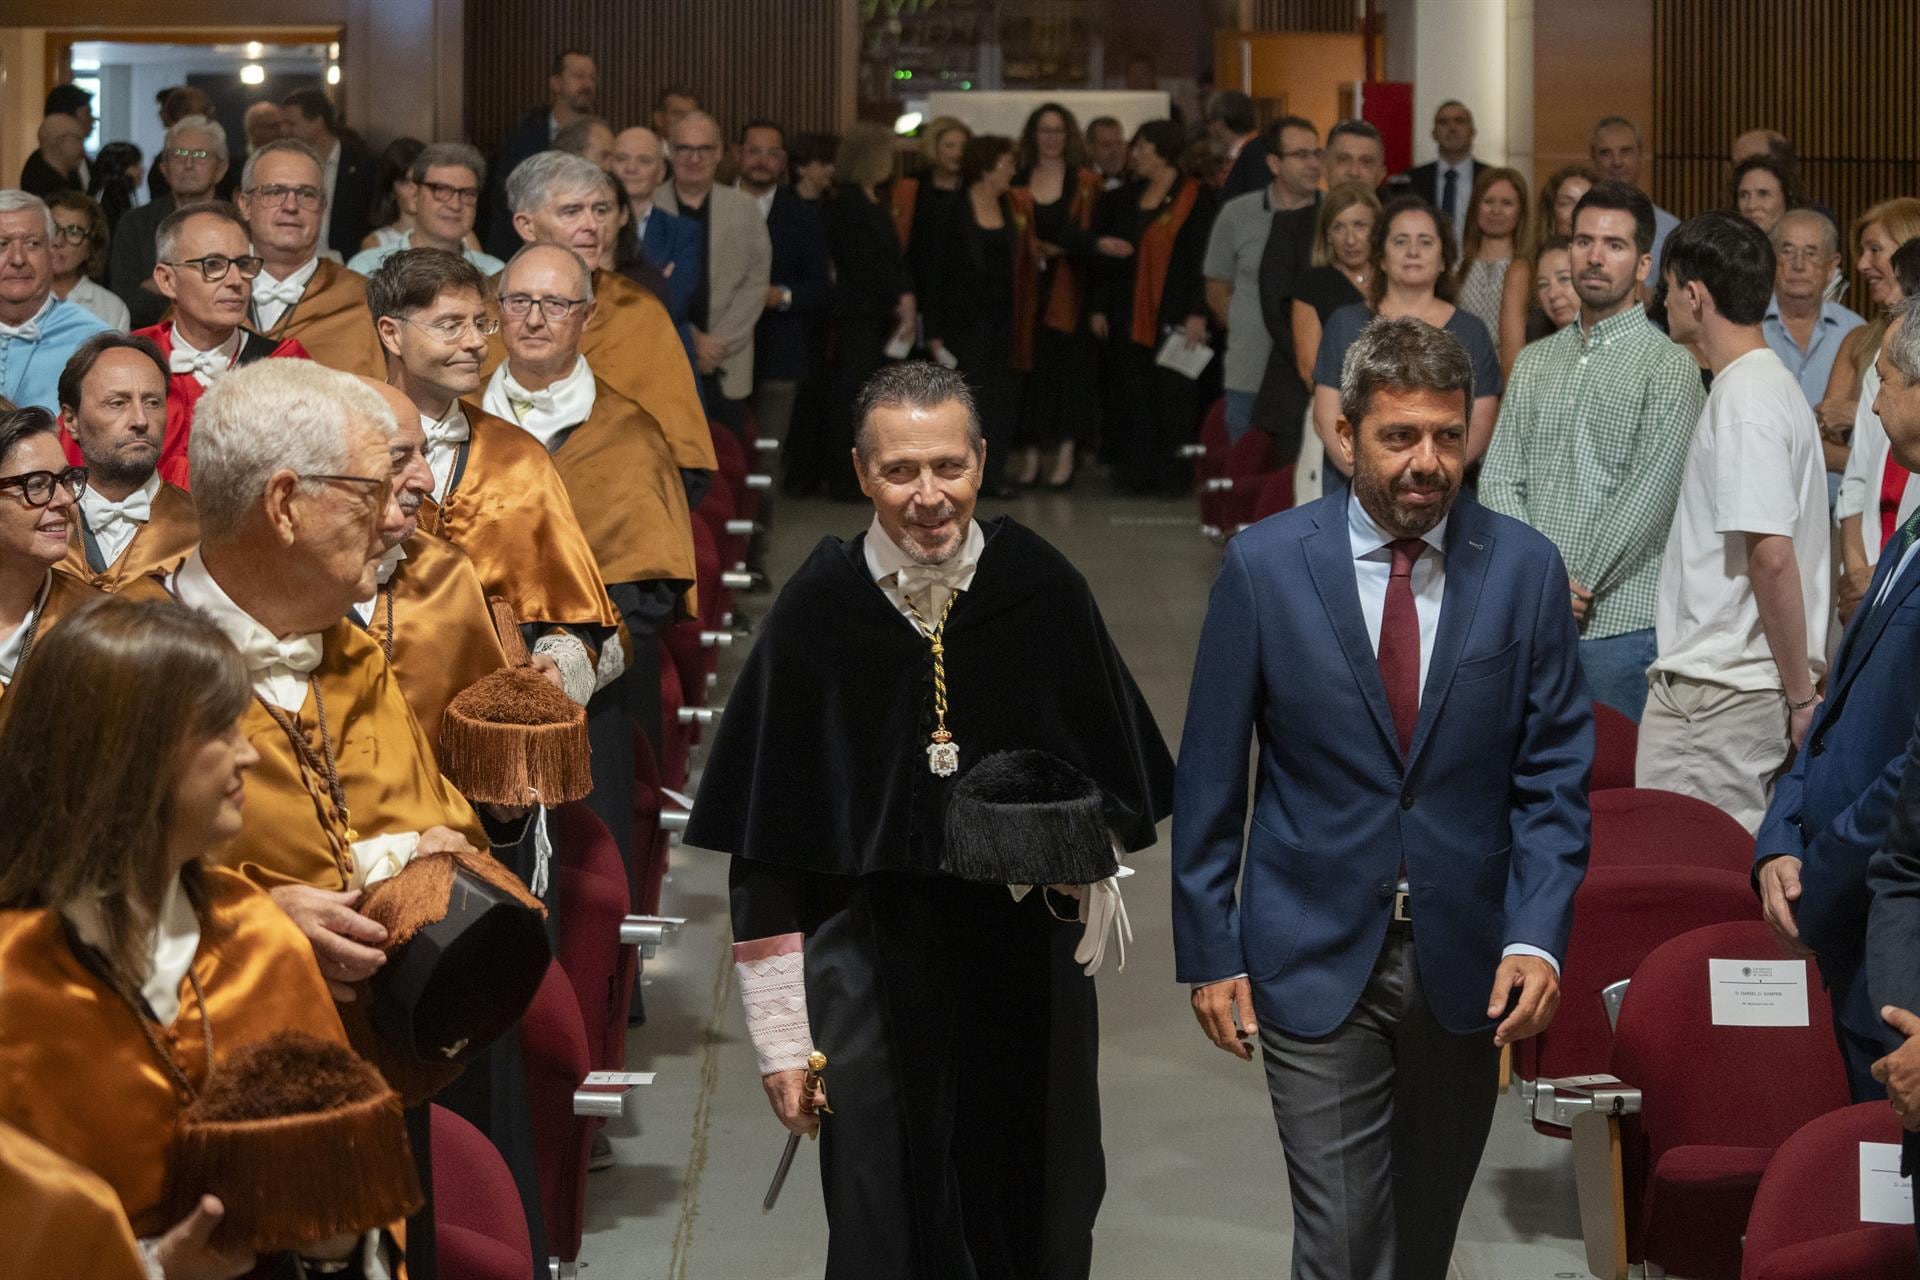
point(1102, 907)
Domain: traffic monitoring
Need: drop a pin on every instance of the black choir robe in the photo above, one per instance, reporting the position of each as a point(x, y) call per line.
point(962, 1038)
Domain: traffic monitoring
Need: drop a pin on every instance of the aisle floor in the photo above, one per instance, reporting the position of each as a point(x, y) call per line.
point(1196, 1180)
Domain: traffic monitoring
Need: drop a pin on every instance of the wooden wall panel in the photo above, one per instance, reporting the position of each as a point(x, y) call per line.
point(1305, 15)
point(786, 59)
point(1835, 77)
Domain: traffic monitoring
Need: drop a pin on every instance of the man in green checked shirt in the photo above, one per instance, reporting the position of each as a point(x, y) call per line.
point(1592, 443)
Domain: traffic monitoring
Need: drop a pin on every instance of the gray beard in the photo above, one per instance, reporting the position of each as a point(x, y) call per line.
point(918, 555)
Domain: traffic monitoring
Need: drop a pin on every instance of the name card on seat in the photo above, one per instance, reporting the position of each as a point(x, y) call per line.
point(1758, 993)
point(1885, 1196)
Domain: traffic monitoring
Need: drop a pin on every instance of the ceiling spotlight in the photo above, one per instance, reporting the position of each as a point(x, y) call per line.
point(253, 73)
point(333, 74)
point(255, 48)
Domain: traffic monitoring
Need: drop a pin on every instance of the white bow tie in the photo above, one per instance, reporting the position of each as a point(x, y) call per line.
point(268, 290)
point(282, 666)
point(448, 431)
point(203, 364)
point(101, 512)
point(927, 586)
point(28, 332)
point(526, 401)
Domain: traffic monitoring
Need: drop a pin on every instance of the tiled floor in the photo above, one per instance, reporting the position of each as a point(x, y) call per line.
point(1196, 1179)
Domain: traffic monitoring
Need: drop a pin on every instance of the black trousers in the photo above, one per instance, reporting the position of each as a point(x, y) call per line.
point(985, 352)
point(1160, 411)
point(862, 350)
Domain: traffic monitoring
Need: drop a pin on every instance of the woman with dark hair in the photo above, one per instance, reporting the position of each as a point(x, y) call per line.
point(1141, 299)
point(39, 503)
point(971, 298)
point(810, 165)
point(117, 172)
point(1555, 303)
point(80, 257)
point(132, 967)
point(1058, 192)
point(1762, 189)
point(1414, 265)
point(1559, 194)
point(396, 197)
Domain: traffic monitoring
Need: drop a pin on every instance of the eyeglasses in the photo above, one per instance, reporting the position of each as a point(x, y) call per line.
point(1798, 254)
point(446, 193)
point(72, 232)
point(380, 487)
point(36, 487)
point(189, 153)
point(763, 153)
point(518, 305)
point(1303, 153)
point(704, 149)
point(452, 330)
point(214, 266)
point(308, 198)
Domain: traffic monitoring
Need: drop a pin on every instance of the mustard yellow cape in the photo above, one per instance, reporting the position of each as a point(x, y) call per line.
point(162, 544)
point(441, 638)
point(627, 493)
point(332, 322)
point(63, 597)
point(58, 1219)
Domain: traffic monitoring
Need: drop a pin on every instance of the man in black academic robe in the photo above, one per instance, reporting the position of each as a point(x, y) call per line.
point(960, 1030)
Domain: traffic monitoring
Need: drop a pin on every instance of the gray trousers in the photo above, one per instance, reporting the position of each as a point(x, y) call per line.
point(1383, 1122)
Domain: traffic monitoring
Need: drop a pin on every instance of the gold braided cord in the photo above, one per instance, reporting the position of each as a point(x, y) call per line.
point(934, 637)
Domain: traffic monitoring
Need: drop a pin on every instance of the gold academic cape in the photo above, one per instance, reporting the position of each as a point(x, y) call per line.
point(77, 1074)
point(386, 765)
point(63, 597)
point(626, 492)
point(159, 547)
point(634, 348)
point(332, 322)
point(442, 637)
point(509, 511)
point(58, 1219)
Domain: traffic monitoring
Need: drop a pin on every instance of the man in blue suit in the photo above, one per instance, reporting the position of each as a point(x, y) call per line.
point(1407, 663)
point(1832, 810)
point(670, 258)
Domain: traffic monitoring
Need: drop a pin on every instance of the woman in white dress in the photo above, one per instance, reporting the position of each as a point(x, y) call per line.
point(80, 256)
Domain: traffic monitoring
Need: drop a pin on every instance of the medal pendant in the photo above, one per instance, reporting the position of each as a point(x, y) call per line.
point(943, 755)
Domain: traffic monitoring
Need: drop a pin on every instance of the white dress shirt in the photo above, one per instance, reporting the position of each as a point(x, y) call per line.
point(445, 435)
point(383, 574)
point(102, 303)
point(176, 940)
point(113, 524)
point(205, 366)
point(272, 298)
point(10, 647)
point(887, 563)
point(560, 405)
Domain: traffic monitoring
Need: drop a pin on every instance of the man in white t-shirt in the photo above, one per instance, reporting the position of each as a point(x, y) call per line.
point(1744, 588)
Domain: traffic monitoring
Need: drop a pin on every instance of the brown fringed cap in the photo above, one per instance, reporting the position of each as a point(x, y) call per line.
point(511, 735)
point(466, 950)
point(301, 1140)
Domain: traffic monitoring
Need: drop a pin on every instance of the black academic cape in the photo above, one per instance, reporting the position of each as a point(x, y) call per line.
point(962, 1037)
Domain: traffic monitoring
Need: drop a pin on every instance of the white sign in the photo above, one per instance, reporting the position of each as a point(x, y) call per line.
point(1885, 1196)
point(1758, 993)
point(604, 1079)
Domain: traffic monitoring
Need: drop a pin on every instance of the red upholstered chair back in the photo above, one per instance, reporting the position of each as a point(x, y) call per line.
point(1251, 454)
point(1213, 427)
point(648, 867)
point(729, 457)
point(1806, 1223)
point(1633, 827)
point(479, 1224)
point(1620, 914)
point(1721, 1086)
point(1616, 739)
point(591, 896)
point(553, 1046)
point(1275, 495)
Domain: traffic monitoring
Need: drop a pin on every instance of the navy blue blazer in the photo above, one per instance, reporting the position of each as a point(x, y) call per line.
point(674, 241)
point(1488, 809)
point(801, 262)
point(1832, 809)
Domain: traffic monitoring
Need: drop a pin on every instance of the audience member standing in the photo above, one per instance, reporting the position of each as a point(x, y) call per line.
point(1499, 238)
point(1356, 154)
point(1744, 585)
point(1762, 189)
point(672, 248)
point(1413, 270)
point(1559, 194)
point(923, 204)
point(1234, 133)
point(37, 330)
point(396, 200)
point(55, 165)
point(1831, 811)
point(1592, 442)
point(1556, 303)
point(1236, 249)
point(347, 169)
point(739, 255)
point(176, 104)
point(1447, 183)
point(873, 302)
point(1615, 151)
point(573, 84)
point(117, 174)
point(799, 278)
point(72, 100)
point(194, 157)
point(970, 299)
point(1144, 298)
point(1107, 150)
point(263, 123)
point(447, 179)
point(1341, 270)
point(80, 257)
point(1805, 327)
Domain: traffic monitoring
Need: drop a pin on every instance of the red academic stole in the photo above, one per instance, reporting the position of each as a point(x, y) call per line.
point(1026, 275)
point(901, 195)
point(1155, 256)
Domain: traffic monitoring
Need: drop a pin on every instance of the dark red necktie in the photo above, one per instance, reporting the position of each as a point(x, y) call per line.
point(1400, 642)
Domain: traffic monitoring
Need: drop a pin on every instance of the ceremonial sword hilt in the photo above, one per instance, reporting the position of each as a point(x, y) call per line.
point(812, 1085)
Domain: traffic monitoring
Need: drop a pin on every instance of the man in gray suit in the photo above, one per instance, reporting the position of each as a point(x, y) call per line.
point(739, 259)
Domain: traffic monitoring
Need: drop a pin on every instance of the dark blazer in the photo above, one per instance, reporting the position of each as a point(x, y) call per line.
point(349, 217)
point(1281, 405)
point(131, 259)
point(968, 288)
point(801, 263)
point(39, 178)
point(528, 138)
point(870, 272)
point(673, 249)
point(1111, 294)
point(1488, 810)
point(1423, 180)
point(1893, 921)
point(1249, 171)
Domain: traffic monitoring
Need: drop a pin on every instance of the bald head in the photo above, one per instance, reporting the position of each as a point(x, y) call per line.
point(546, 303)
point(544, 261)
point(638, 163)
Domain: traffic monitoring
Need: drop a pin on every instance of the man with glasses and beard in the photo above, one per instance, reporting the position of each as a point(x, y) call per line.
point(1592, 440)
point(113, 406)
point(298, 293)
point(1385, 648)
point(206, 271)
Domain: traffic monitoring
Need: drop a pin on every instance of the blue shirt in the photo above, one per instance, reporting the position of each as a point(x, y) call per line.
point(1815, 365)
point(368, 261)
point(30, 370)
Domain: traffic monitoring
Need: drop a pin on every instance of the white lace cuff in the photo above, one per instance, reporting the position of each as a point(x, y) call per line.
point(612, 664)
point(773, 991)
point(576, 668)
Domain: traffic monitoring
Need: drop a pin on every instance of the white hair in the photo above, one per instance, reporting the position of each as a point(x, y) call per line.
point(293, 145)
point(197, 124)
point(1903, 348)
point(540, 179)
point(13, 200)
point(269, 416)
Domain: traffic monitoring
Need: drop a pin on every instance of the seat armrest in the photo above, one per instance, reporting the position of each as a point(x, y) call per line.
point(1592, 1108)
point(648, 932)
point(605, 1093)
point(1557, 1102)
